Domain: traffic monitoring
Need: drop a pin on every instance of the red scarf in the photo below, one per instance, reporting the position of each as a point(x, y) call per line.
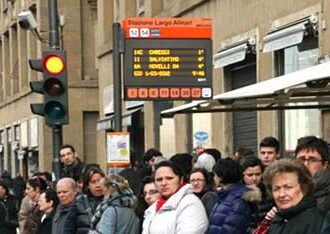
point(161, 201)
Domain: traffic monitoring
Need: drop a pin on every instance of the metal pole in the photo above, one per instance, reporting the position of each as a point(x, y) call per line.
point(281, 113)
point(53, 24)
point(57, 143)
point(157, 123)
point(54, 44)
point(116, 77)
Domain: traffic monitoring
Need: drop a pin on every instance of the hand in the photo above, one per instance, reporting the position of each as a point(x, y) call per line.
point(271, 214)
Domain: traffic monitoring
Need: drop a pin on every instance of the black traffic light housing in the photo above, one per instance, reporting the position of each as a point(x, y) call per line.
point(54, 87)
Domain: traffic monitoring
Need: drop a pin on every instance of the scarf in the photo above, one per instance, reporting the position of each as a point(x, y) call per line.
point(162, 200)
point(107, 202)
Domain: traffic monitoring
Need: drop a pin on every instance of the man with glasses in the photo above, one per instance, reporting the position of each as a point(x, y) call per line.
point(314, 153)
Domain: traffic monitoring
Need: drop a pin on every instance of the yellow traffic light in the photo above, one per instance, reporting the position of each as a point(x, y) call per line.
point(54, 64)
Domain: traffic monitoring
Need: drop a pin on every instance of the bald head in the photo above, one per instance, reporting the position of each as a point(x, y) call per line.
point(66, 191)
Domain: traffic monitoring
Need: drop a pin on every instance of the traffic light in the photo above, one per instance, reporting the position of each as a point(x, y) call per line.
point(54, 87)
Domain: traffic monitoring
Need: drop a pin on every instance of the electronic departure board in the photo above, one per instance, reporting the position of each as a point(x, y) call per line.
point(168, 69)
point(168, 59)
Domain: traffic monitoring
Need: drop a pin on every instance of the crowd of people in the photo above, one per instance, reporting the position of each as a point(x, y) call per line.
point(204, 193)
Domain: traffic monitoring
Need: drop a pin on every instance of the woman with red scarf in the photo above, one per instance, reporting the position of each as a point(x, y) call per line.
point(178, 210)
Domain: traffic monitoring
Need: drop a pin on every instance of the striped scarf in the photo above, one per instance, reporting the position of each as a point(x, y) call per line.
point(116, 199)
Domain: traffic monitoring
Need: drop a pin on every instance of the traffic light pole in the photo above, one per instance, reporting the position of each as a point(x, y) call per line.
point(117, 77)
point(54, 44)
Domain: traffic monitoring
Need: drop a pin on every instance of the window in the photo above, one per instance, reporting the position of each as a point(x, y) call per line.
point(299, 123)
point(9, 148)
point(17, 136)
point(140, 7)
point(2, 158)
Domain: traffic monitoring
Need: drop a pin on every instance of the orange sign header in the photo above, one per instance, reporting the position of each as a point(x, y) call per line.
point(152, 28)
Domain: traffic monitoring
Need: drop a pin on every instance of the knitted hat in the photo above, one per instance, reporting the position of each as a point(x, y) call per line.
point(206, 161)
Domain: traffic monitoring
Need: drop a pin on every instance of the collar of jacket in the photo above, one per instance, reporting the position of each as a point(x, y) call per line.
point(173, 202)
point(234, 190)
point(307, 202)
point(124, 199)
point(74, 165)
point(322, 182)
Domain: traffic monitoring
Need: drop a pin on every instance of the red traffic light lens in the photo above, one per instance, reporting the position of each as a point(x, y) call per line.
point(53, 87)
point(53, 64)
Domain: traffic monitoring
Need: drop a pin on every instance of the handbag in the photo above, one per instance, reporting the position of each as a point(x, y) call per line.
point(263, 227)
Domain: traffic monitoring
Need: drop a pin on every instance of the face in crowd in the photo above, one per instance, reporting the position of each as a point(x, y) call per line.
point(286, 190)
point(150, 193)
point(32, 193)
point(44, 205)
point(67, 156)
point(66, 191)
point(198, 182)
point(267, 155)
point(167, 182)
point(94, 185)
point(2, 192)
point(252, 175)
point(312, 159)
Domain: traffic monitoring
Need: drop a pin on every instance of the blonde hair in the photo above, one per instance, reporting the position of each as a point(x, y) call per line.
point(116, 182)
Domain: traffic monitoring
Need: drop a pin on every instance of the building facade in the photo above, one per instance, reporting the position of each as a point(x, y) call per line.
point(273, 37)
point(25, 140)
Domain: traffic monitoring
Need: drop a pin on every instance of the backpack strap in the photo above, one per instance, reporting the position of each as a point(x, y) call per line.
point(116, 219)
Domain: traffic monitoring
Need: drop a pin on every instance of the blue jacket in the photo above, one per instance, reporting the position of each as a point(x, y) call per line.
point(232, 213)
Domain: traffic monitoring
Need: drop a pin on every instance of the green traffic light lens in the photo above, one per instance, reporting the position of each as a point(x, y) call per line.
point(54, 110)
point(53, 87)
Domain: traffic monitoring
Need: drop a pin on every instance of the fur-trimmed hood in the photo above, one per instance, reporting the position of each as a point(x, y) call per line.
point(253, 195)
point(248, 193)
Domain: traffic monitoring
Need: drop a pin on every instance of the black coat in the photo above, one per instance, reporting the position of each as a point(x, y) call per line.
point(59, 219)
point(326, 224)
point(80, 214)
point(261, 208)
point(304, 218)
point(322, 189)
point(8, 215)
point(73, 171)
point(46, 225)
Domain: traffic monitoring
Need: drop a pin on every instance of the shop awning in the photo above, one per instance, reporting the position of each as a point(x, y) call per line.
point(308, 87)
point(108, 122)
point(234, 53)
point(289, 35)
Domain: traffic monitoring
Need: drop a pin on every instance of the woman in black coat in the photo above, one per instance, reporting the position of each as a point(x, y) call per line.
point(252, 176)
point(48, 202)
point(291, 186)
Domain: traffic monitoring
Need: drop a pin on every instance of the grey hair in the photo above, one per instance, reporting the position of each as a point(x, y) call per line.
point(72, 182)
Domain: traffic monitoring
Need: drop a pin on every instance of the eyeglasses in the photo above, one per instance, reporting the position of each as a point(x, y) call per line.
point(310, 160)
point(196, 181)
point(150, 192)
